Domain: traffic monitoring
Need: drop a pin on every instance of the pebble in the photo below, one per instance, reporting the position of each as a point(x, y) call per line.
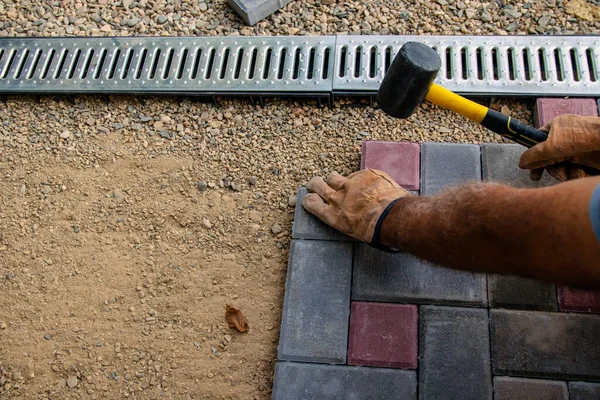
point(3, 325)
point(276, 229)
point(206, 223)
point(162, 19)
point(48, 336)
point(72, 381)
point(202, 185)
point(65, 135)
point(252, 180)
point(256, 216)
point(132, 22)
point(292, 200)
point(203, 6)
point(117, 194)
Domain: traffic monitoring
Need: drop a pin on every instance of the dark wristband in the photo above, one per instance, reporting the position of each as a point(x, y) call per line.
point(377, 234)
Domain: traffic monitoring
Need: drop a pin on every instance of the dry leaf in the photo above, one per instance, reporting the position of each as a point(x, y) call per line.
point(583, 10)
point(235, 319)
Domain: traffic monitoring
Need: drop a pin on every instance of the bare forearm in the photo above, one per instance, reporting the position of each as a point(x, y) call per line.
point(538, 233)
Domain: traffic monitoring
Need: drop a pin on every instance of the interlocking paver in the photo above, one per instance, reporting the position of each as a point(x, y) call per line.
point(584, 391)
point(500, 163)
point(541, 344)
point(295, 381)
point(445, 164)
point(548, 108)
point(514, 292)
point(400, 160)
point(253, 11)
point(316, 307)
point(508, 388)
point(380, 276)
point(383, 335)
point(578, 300)
point(454, 353)
point(307, 226)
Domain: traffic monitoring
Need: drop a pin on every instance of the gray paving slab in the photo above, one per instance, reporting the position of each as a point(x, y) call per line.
point(584, 391)
point(295, 381)
point(546, 345)
point(307, 226)
point(381, 276)
point(252, 11)
point(316, 307)
point(508, 388)
point(446, 164)
point(500, 163)
point(505, 291)
point(454, 354)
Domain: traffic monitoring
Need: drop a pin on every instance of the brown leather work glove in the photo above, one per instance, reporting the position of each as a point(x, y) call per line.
point(571, 151)
point(355, 204)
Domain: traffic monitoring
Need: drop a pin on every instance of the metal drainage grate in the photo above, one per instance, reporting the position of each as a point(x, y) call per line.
point(472, 65)
point(480, 65)
point(166, 65)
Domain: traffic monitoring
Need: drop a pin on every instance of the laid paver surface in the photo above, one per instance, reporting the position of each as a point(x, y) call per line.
point(353, 314)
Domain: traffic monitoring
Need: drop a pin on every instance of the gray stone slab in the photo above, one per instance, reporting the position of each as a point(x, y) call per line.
point(500, 163)
point(381, 276)
point(252, 11)
point(446, 164)
point(584, 391)
point(506, 291)
point(316, 308)
point(295, 381)
point(546, 345)
point(307, 226)
point(454, 354)
point(508, 388)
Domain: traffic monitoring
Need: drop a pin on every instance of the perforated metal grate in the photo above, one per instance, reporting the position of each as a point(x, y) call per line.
point(472, 65)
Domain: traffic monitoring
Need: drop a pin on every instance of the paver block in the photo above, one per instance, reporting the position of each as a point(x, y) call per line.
point(381, 276)
point(444, 164)
point(540, 344)
point(548, 108)
point(316, 307)
point(400, 160)
point(295, 381)
point(507, 388)
point(578, 300)
point(584, 391)
point(383, 335)
point(500, 163)
point(252, 11)
point(307, 226)
point(454, 354)
point(506, 291)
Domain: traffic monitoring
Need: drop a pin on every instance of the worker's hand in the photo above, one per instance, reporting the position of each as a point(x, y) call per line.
point(354, 204)
point(571, 151)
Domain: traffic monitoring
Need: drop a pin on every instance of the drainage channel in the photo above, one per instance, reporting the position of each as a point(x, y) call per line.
point(302, 66)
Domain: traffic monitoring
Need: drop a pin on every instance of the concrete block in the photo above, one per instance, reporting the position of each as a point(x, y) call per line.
point(383, 335)
point(297, 381)
point(454, 354)
point(500, 163)
point(447, 164)
point(314, 323)
point(507, 388)
point(584, 391)
point(397, 278)
point(546, 345)
point(400, 160)
point(307, 226)
point(505, 291)
point(252, 11)
point(548, 108)
point(578, 300)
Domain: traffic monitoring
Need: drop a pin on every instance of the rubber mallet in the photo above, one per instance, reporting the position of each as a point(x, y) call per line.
point(409, 81)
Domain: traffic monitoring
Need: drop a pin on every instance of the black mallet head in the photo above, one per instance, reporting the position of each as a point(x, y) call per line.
point(408, 80)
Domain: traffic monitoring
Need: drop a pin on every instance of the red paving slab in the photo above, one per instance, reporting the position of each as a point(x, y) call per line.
point(578, 300)
point(548, 108)
point(400, 160)
point(383, 335)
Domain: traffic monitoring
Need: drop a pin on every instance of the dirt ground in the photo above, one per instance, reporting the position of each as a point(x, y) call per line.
point(126, 227)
